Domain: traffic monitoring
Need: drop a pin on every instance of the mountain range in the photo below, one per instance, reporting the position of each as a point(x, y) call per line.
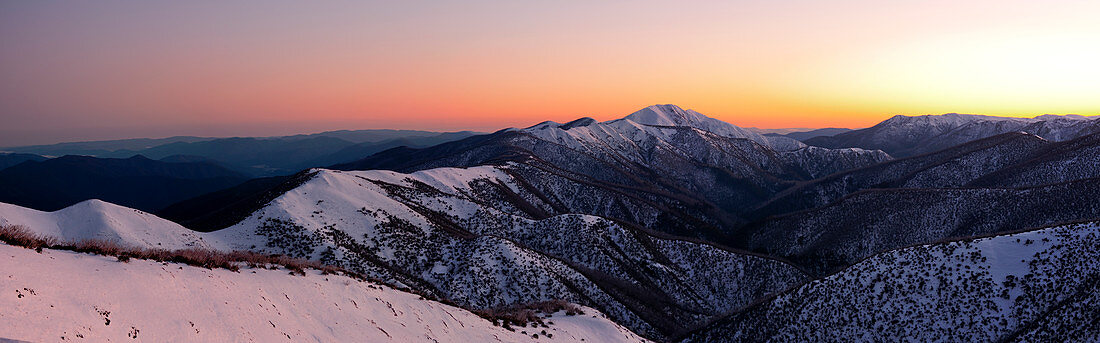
point(136, 182)
point(253, 156)
point(11, 159)
point(903, 136)
point(678, 226)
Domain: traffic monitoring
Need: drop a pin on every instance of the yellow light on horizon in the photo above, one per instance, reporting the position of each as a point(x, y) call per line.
point(1003, 73)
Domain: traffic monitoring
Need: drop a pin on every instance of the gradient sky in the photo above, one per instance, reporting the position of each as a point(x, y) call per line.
point(80, 70)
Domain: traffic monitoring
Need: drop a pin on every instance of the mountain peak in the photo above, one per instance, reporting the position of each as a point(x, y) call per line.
point(672, 115)
point(666, 115)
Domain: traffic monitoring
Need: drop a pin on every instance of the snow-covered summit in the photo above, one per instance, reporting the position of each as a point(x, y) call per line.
point(672, 115)
point(666, 115)
point(657, 122)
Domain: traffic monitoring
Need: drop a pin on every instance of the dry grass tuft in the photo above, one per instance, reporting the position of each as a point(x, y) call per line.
point(19, 235)
point(99, 247)
point(523, 314)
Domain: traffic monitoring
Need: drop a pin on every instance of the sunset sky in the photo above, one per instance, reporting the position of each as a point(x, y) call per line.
point(82, 70)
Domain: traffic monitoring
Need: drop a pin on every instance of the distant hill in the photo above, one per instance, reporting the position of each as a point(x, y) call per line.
point(136, 182)
point(97, 148)
point(804, 135)
point(380, 135)
point(258, 156)
point(8, 160)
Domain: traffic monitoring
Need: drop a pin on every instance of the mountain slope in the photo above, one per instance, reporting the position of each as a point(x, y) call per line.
point(867, 222)
point(1001, 183)
point(73, 296)
point(225, 207)
point(136, 182)
point(1065, 161)
point(903, 136)
point(953, 167)
point(479, 238)
point(1038, 286)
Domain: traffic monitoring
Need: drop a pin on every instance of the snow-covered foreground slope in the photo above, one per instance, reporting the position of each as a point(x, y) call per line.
point(95, 219)
point(1038, 286)
point(65, 296)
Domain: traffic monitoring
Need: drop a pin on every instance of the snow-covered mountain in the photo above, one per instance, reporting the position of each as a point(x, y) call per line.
point(95, 219)
point(478, 237)
point(1039, 286)
point(680, 180)
point(903, 136)
point(66, 296)
point(672, 115)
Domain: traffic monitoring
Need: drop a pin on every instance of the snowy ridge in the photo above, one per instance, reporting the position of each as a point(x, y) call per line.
point(1038, 286)
point(95, 219)
point(71, 296)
